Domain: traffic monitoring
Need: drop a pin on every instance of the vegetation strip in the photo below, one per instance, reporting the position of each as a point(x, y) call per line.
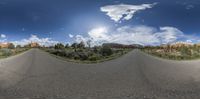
point(5, 52)
point(79, 53)
point(177, 51)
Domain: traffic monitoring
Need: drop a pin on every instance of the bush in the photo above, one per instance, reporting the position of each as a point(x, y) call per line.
point(76, 57)
point(69, 54)
point(106, 51)
point(94, 58)
point(83, 55)
point(6, 52)
point(61, 53)
point(95, 50)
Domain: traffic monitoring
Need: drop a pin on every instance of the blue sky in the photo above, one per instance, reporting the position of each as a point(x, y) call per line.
point(146, 22)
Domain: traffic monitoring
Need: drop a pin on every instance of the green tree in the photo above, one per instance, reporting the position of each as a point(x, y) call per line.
point(81, 45)
point(59, 46)
point(74, 45)
point(89, 43)
point(27, 46)
point(18, 46)
point(67, 46)
point(11, 46)
point(95, 49)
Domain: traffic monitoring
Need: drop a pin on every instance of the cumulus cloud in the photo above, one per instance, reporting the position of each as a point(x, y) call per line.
point(80, 38)
point(3, 36)
point(188, 7)
point(138, 34)
point(144, 35)
point(71, 36)
point(99, 34)
point(189, 41)
point(169, 34)
point(124, 11)
point(3, 40)
point(35, 38)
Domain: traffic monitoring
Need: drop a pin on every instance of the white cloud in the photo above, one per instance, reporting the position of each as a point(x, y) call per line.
point(71, 36)
point(3, 40)
point(139, 35)
point(169, 34)
point(100, 33)
point(35, 38)
point(188, 7)
point(124, 11)
point(79, 38)
point(144, 35)
point(189, 41)
point(3, 36)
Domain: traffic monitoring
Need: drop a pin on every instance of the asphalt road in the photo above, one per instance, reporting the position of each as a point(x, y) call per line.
point(37, 75)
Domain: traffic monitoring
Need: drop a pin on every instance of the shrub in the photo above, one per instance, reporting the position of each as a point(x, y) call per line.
point(95, 49)
point(69, 54)
point(106, 51)
point(94, 58)
point(6, 52)
point(76, 57)
point(83, 55)
point(61, 53)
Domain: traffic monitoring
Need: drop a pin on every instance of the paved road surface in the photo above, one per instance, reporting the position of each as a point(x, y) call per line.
point(37, 75)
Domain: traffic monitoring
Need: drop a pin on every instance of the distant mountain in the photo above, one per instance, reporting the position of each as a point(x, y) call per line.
point(117, 45)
